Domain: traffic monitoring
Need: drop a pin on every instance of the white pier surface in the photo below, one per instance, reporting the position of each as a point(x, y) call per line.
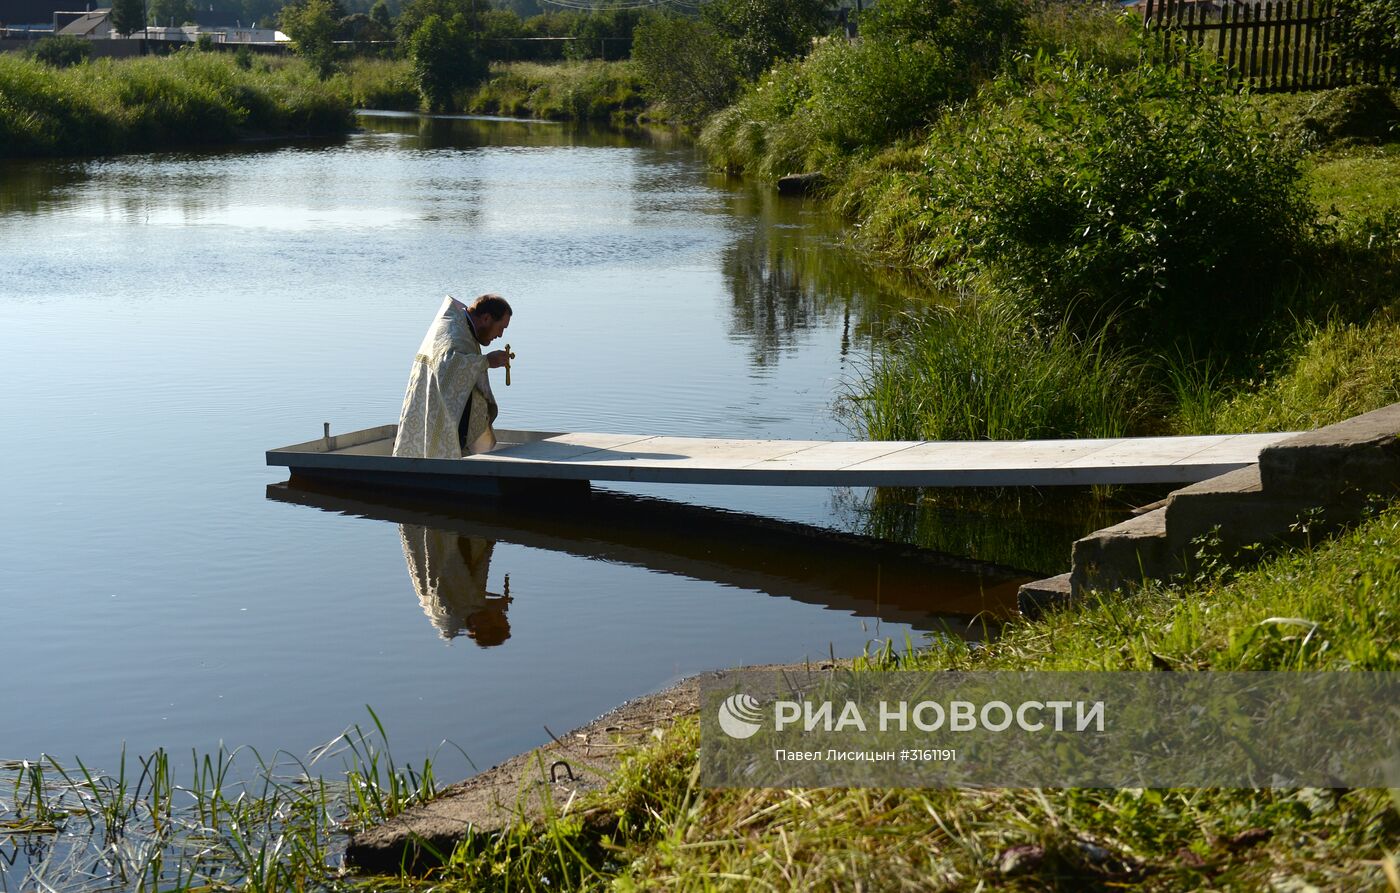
point(697, 460)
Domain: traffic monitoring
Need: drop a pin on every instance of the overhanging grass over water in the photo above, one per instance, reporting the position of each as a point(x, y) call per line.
point(238, 822)
point(187, 99)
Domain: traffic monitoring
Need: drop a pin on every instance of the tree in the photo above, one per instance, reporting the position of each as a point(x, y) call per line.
point(416, 12)
point(128, 16)
point(445, 59)
point(762, 32)
point(171, 12)
point(312, 25)
point(686, 64)
point(379, 14)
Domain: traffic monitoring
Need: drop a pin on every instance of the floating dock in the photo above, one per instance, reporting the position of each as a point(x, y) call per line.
point(540, 457)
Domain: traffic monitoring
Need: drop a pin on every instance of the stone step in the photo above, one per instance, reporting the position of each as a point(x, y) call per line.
point(1360, 455)
point(1122, 555)
point(1231, 513)
point(1035, 599)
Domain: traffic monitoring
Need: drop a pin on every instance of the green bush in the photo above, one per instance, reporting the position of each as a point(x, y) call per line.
point(1367, 34)
point(982, 371)
point(313, 26)
point(765, 132)
point(1142, 197)
point(62, 51)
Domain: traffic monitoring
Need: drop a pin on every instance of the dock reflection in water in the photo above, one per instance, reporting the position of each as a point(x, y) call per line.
point(448, 544)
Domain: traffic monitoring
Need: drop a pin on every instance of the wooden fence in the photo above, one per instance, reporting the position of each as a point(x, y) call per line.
point(1269, 46)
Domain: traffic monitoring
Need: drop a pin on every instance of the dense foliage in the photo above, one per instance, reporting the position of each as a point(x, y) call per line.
point(762, 32)
point(1142, 200)
point(1367, 33)
point(313, 26)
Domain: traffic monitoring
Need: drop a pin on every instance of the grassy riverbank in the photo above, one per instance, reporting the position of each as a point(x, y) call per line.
point(135, 105)
point(562, 91)
point(1333, 607)
point(195, 99)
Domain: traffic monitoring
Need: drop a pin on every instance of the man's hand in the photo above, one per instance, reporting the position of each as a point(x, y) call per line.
point(497, 358)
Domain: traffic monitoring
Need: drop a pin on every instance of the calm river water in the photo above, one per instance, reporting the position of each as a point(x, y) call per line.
point(165, 319)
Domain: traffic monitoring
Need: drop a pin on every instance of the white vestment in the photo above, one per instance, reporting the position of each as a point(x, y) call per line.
point(447, 379)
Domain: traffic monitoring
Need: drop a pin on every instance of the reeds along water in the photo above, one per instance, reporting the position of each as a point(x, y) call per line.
point(189, 98)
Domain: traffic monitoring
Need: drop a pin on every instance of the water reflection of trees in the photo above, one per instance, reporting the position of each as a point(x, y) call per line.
point(38, 187)
point(791, 273)
point(1025, 528)
point(461, 132)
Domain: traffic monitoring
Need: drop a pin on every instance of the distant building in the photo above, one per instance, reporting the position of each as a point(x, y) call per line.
point(94, 25)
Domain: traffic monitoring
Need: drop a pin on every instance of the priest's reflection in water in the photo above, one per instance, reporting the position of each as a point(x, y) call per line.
point(449, 573)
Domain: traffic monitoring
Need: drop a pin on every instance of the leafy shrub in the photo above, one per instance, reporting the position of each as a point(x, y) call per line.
point(765, 132)
point(983, 371)
point(62, 51)
point(1367, 33)
point(1141, 197)
point(815, 113)
point(313, 25)
point(869, 94)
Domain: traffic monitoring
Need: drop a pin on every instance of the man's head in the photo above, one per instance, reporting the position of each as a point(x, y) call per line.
point(490, 315)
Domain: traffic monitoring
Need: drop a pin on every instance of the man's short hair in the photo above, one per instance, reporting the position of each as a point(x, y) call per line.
point(494, 306)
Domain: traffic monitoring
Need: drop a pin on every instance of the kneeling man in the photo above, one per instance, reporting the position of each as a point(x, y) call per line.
point(448, 409)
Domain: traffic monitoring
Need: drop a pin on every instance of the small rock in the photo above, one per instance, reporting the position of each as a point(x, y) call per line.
point(1020, 859)
point(800, 184)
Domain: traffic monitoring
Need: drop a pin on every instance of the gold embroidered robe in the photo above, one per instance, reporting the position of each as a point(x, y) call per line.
point(448, 378)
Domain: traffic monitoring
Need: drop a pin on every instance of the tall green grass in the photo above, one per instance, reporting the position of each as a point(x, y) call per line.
point(570, 91)
point(381, 84)
point(983, 371)
point(187, 99)
point(1336, 371)
point(278, 825)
